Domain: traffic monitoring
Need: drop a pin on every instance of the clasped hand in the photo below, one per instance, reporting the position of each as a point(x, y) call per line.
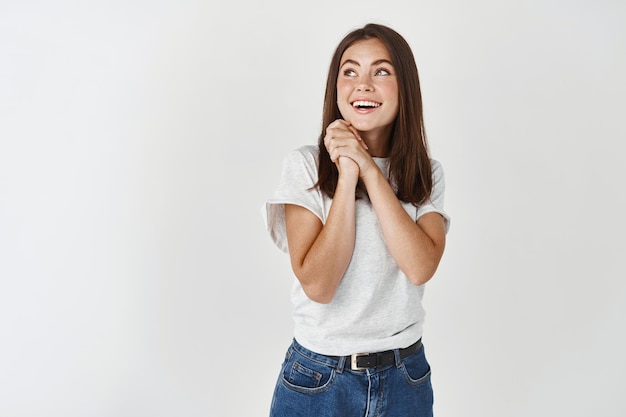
point(347, 149)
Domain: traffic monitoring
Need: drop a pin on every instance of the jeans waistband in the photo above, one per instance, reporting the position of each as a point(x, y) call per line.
point(361, 361)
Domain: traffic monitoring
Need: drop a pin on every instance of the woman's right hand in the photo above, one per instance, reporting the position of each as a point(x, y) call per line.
point(320, 253)
point(347, 168)
point(339, 133)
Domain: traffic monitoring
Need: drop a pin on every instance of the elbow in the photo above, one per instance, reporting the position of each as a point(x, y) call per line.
point(422, 268)
point(318, 286)
point(420, 277)
point(318, 293)
point(315, 290)
point(421, 274)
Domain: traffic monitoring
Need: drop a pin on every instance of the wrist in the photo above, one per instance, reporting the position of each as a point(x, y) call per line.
point(348, 180)
point(373, 173)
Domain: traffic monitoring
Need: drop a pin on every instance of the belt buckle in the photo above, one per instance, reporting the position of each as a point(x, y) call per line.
point(353, 359)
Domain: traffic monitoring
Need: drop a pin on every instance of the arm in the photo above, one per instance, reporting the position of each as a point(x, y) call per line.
point(320, 254)
point(417, 247)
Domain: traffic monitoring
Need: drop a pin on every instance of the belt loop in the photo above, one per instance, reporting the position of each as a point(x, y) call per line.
point(341, 363)
point(396, 354)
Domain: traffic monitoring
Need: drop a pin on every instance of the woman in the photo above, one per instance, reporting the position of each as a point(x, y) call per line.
point(361, 216)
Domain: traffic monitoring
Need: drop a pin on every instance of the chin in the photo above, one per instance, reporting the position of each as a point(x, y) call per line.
point(363, 127)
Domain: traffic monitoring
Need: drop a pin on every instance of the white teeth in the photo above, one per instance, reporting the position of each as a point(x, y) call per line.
point(364, 103)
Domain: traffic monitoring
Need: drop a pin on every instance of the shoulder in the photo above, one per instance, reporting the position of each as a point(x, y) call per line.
point(436, 165)
point(436, 168)
point(301, 164)
point(307, 155)
point(310, 152)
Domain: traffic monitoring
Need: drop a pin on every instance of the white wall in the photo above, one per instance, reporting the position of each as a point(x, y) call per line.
point(139, 139)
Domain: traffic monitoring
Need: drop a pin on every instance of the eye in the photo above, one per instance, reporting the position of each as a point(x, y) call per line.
point(349, 73)
point(382, 71)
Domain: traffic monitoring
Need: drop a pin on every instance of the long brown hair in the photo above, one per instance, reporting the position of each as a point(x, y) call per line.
point(409, 161)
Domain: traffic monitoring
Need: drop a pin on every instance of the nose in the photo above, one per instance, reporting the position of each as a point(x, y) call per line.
point(364, 84)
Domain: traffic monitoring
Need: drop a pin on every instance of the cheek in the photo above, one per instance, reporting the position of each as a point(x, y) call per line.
point(343, 90)
point(396, 106)
point(343, 110)
point(396, 100)
point(343, 95)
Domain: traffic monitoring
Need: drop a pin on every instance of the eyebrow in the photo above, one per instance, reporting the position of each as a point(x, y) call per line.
point(377, 62)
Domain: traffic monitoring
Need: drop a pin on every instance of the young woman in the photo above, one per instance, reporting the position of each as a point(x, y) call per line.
point(361, 216)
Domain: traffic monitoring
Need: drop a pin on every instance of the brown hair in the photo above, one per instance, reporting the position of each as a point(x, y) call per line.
point(409, 160)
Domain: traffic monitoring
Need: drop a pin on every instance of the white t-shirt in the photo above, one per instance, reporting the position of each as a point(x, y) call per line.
point(375, 306)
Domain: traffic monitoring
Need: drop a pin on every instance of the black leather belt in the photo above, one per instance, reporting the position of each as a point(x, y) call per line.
point(363, 361)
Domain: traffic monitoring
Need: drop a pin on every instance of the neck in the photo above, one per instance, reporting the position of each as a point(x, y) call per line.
point(377, 142)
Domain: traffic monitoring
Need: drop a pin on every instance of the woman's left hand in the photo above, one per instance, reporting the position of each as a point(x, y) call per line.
point(343, 140)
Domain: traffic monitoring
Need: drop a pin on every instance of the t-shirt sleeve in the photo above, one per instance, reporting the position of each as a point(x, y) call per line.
point(435, 203)
point(296, 186)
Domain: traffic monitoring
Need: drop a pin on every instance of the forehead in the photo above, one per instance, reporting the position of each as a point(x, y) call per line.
point(366, 51)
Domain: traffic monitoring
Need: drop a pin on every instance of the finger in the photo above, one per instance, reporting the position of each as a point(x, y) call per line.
point(338, 137)
point(334, 130)
point(358, 136)
point(338, 124)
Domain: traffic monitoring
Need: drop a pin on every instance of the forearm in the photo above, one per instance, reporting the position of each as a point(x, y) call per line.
point(320, 270)
point(416, 253)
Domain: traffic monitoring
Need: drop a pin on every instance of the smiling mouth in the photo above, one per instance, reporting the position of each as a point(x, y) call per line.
point(365, 104)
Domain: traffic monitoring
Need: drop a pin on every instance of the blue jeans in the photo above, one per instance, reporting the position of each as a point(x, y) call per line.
point(314, 385)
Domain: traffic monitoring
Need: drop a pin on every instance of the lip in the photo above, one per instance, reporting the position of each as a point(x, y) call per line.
point(365, 110)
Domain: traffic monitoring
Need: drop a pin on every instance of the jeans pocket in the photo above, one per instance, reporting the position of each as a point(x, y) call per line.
point(416, 369)
point(302, 374)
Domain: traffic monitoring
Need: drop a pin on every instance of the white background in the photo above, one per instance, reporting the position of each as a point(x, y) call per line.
point(139, 139)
